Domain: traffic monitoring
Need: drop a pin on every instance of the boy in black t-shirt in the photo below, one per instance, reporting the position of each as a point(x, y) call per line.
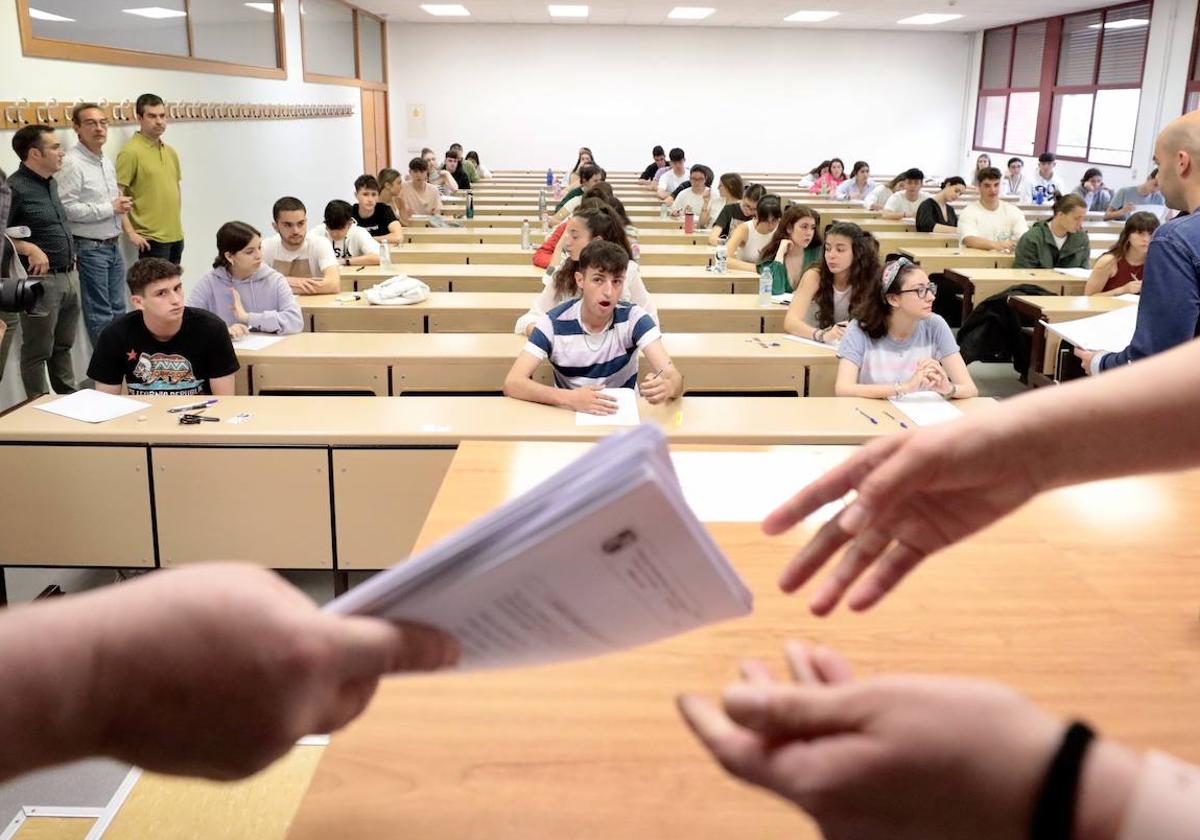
point(375, 218)
point(163, 348)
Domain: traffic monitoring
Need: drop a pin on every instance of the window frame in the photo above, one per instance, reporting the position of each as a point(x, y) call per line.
point(1192, 86)
point(1049, 88)
point(357, 81)
point(35, 46)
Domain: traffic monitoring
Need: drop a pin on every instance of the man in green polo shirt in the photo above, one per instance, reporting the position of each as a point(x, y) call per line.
point(148, 172)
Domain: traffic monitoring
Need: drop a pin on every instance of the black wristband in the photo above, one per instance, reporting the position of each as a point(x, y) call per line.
point(1054, 811)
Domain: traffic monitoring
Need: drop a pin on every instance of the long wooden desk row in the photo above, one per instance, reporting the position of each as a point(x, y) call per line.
point(309, 482)
point(391, 364)
point(527, 278)
point(978, 284)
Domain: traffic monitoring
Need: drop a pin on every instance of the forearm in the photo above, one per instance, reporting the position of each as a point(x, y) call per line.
point(365, 259)
point(329, 283)
point(870, 392)
point(981, 243)
point(521, 388)
point(794, 324)
point(892, 215)
point(741, 265)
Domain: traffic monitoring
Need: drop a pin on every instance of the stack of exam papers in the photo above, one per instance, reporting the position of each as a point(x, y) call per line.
point(603, 556)
point(1112, 331)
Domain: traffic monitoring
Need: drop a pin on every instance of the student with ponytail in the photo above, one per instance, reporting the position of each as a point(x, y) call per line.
point(832, 290)
point(748, 239)
point(936, 214)
point(897, 345)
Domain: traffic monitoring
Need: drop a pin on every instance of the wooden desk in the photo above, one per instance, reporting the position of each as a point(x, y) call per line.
point(486, 220)
point(1054, 310)
point(937, 260)
point(892, 241)
point(977, 284)
point(527, 278)
point(498, 312)
point(1092, 616)
point(512, 236)
point(390, 364)
point(463, 254)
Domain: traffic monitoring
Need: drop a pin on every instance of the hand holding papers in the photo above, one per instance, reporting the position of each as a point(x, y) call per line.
point(1109, 331)
point(602, 556)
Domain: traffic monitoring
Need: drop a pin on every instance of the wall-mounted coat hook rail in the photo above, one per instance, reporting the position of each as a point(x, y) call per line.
point(57, 113)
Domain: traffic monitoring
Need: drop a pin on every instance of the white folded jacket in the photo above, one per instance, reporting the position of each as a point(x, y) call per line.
point(398, 291)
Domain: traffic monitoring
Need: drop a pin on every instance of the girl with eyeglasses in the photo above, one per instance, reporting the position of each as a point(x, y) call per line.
point(898, 346)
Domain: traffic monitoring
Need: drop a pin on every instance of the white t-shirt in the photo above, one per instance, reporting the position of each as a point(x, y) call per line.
point(688, 198)
point(1051, 184)
point(899, 203)
point(877, 197)
point(309, 260)
point(669, 182)
point(1058, 241)
point(356, 243)
point(999, 225)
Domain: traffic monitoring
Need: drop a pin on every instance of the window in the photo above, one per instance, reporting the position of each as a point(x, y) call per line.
point(343, 45)
point(1071, 85)
point(1192, 101)
point(216, 36)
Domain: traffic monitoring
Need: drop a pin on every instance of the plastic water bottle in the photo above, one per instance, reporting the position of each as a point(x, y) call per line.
point(689, 221)
point(558, 188)
point(470, 206)
point(722, 255)
point(542, 202)
point(549, 177)
point(662, 211)
point(1039, 194)
point(764, 286)
point(526, 242)
point(636, 249)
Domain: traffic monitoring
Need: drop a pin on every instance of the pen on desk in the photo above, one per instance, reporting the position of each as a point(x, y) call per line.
point(868, 416)
point(360, 268)
point(903, 425)
point(191, 407)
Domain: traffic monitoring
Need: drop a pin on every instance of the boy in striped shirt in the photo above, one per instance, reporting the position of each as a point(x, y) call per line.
point(592, 342)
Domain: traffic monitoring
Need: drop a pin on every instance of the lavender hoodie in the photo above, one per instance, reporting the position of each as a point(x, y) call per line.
point(265, 294)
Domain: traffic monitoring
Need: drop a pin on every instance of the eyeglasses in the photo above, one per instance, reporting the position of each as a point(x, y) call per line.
point(922, 291)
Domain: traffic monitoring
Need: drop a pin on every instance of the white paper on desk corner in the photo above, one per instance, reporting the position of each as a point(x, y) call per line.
point(926, 408)
point(603, 556)
point(785, 298)
point(256, 341)
point(1130, 298)
point(802, 340)
point(93, 406)
point(627, 410)
point(1108, 331)
point(1075, 272)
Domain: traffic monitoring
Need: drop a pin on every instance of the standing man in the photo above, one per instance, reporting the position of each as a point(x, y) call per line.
point(48, 332)
point(148, 171)
point(95, 207)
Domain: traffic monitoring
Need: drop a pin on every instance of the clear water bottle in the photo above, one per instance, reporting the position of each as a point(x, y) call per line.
point(526, 242)
point(542, 202)
point(558, 188)
point(722, 256)
point(765, 283)
point(636, 249)
point(549, 177)
point(662, 211)
point(385, 254)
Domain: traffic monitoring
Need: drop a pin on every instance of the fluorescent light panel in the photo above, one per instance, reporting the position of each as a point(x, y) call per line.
point(1128, 23)
point(927, 20)
point(445, 9)
point(809, 17)
point(690, 12)
point(262, 7)
point(38, 14)
point(155, 12)
point(568, 11)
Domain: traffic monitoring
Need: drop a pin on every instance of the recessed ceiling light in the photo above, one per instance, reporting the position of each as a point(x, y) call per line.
point(810, 17)
point(927, 20)
point(568, 11)
point(38, 14)
point(690, 12)
point(445, 10)
point(155, 12)
point(1128, 23)
point(262, 7)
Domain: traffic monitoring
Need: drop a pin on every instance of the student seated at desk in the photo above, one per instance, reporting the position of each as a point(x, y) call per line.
point(1096, 197)
point(677, 174)
point(481, 171)
point(795, 245)
point(1015, 182)
point(831, 291)
point(830, 178)
point(903, 205)
point(878, 197)
point(741, 203)
point(418, 197)
point(649, 176)
point(989, 223)
point(858, 186)
point(1060, 242)
point(813, 175)
point(1127, 199)
point(1046, 182)
point(244, 292)
point(1120, 269)
point(389, 189)
point(697, 197)
point(308, 262)
point(592, 342)
point(374, 216)
point(749, 238)
point(352, 245)
point(896, 345)
point(983, 162)
point(585, 158)
point(452, 164)
point(936, 214)
point(442, 180)
point(163, 348)
point(588, 224)
point(590, 175)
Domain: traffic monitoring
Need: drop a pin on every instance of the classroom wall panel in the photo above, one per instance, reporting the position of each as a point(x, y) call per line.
point(746, 99)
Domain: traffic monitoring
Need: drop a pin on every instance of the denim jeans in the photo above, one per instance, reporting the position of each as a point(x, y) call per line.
point(172, 251)
point(48, 334)
point(101, 284)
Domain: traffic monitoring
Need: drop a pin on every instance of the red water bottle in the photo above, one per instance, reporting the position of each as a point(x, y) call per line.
point(689, 221)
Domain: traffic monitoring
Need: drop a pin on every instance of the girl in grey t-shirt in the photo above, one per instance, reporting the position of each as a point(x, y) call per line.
point(898, 346)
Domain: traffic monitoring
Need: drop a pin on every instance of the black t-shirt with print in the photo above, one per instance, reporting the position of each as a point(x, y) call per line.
point(460, 177)
point(729, 214)
point(184, 365)
point(379, 221)
point(648, 172)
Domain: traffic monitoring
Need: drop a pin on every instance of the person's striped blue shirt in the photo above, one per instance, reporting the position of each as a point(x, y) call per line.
point(581, 359)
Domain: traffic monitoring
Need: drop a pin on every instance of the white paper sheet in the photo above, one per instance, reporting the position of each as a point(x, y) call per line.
point(627, 410)
point(1108, 331)
point(785, 298)
point(256, 341)
point(1075, 272)
point(93, 406)
point(809, 341)
point(1130, 298)
point(1159, 211)
point(925, 408)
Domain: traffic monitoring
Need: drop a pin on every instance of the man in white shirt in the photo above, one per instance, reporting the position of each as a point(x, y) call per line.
point(352, 245)
point(674, 176)
point(1015, 182)
point(989, 223)
point(697, 198)
point(903, 205)
point(308, 262)
point(1051, 185)
point(87, 187)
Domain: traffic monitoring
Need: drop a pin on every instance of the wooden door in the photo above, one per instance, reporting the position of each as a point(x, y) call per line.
point(376, 151)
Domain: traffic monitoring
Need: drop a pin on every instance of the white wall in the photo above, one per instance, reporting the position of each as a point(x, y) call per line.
point(1168, 56)
point(734, 99)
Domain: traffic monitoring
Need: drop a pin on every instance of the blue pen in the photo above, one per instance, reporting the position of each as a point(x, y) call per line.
point(903, 425)
point(868, 416)
point(192, 406)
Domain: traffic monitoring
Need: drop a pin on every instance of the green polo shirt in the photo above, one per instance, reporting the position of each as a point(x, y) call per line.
point(150, 174)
